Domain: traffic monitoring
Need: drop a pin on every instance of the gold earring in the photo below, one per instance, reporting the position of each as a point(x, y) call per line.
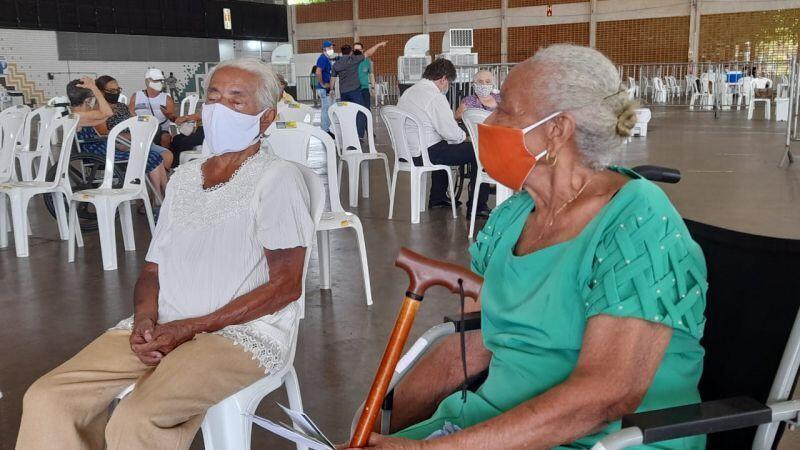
point(551, 158)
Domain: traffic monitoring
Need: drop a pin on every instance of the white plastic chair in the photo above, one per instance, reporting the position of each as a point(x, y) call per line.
point(633, 89)
point(659, 91)
point(472, 117)
point(123, 99)
point(27, 155)
point(106, 199)
point(745, 94)
point(292, 141)
point(643, 116)
point(396, 120)
point(225, 425)
point(189, 104)
point(12, 123)
point(295, 112)
point(702, 99)
point(758, 83)
point(20, 192)
point(199, 152)
point(343, 117)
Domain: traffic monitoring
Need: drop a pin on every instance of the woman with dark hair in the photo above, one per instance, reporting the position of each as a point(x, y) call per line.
point(89, 102)
point(111, 91)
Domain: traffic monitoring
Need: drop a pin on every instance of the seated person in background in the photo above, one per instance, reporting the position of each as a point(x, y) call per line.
point(445, 139)
point(190, 134)
point(89, 102)
point(111, 90)
point(285, 96)
point(594, 292)
point(154, 102)
point(214, 306)
point(485, 96)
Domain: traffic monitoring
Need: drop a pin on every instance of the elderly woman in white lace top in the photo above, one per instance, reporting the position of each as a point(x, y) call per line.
point(214, 305)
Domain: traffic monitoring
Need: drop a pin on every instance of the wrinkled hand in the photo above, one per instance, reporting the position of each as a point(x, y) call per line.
point(167, 337)
point(379, 441)
point(88, 83)
point(142, 333)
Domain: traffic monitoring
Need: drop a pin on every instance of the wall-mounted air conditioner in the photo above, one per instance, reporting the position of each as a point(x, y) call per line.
point(414, 60)
point(457, 46)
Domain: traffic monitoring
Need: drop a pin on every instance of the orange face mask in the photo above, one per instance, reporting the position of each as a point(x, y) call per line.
point(504, 155)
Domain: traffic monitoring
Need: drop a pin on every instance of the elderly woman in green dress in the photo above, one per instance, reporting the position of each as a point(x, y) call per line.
point(594, 293)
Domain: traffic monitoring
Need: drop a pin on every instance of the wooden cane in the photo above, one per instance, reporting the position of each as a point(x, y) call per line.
point(423, 273)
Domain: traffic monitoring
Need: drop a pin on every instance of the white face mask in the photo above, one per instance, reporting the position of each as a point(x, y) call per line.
point(483, 90)
point(186, 128)
point(229, 131)
point(329, 52)
point(156, 85)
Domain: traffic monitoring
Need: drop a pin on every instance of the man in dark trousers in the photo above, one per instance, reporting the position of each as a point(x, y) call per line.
point(346, 68)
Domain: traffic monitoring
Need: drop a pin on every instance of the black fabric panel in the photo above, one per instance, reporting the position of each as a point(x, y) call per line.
point(752, 303)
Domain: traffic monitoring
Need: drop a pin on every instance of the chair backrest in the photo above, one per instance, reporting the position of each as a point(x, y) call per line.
point(472, 117)
point(752, 306)
point(396, 121)
point(142, 130)
point(293, 141)
point(68, 125)
point(12, 123)
point(295, 112)
point(123, 99)
point(189, 104)
point(45, 115)
point(344, 116)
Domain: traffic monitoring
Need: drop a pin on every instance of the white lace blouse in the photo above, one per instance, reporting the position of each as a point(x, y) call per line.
point(209, 246)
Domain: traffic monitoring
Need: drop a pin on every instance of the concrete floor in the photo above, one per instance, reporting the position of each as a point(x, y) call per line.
point(51, 308)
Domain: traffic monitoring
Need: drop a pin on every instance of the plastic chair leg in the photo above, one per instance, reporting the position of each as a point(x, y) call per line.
point(391, 191)
point(106, 229)
point(362, 250)
point(61, 215)
point(339, 171)
point(353, 167)
point(324, 251)
point(478, 183)
point(423, 191)
point(386, 169)
point(148, 209)
point(293, 392)
point(5, 221)
point(19, 215)
point(74, 231)
point(768, 110)
point(415, 195)
point(364, 179)
point(126, 223)
point(224, 427)
point(450, 189)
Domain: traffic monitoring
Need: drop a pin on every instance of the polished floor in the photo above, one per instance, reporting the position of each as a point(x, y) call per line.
point(50, 309)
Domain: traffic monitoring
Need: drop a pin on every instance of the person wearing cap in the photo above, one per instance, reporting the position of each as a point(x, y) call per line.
point(152, 101)
point(324, 83)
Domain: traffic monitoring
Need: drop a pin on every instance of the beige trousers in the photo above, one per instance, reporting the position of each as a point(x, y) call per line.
point(69, 407)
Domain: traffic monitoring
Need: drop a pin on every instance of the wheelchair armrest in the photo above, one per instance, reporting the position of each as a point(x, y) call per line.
point(472, 321)
point(699, 418)
point(659, 174)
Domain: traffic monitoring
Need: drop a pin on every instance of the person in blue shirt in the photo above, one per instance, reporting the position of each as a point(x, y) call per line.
point(324, 85)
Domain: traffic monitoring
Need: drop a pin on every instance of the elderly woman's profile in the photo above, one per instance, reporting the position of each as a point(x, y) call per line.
point(594, 292)
point(215, 302)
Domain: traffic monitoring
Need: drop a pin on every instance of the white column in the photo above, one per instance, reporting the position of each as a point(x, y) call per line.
point(503, 31)
point(291, 25)
point(593, 23)
point(355, 20)
point(425, 9)
point(694, 30)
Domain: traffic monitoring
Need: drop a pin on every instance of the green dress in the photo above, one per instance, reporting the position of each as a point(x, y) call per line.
point(635, 258)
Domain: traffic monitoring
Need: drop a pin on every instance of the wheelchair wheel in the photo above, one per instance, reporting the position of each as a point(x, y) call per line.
point(86, 171)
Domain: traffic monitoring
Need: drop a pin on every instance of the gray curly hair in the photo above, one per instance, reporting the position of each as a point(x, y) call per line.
point(585, 82)
point(269, 89)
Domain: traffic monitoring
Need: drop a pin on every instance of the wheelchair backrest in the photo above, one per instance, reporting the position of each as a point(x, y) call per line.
point(752, 306)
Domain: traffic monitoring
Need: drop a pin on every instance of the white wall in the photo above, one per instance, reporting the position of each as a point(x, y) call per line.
point(35, 54)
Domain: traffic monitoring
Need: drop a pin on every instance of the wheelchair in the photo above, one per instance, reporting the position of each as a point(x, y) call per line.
point(86, 171)
point(750, 369)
